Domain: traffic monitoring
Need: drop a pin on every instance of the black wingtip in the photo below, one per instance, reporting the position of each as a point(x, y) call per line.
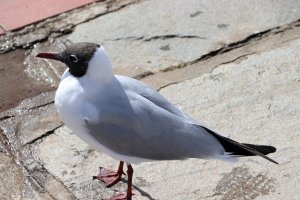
point(275, 162)
point(243, 149)
point(261, 150)
point(264, 149)
point(272, 149)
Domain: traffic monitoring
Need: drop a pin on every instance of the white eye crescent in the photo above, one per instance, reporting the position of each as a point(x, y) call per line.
point(73, 58)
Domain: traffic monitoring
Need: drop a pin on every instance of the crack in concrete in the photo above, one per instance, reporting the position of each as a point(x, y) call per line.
point(234, 60)
point(128, 38)
point(164, 86)
point(165, 37)
point(41, 105)
point(46, 134)
point(209, 196)
point(143, 75)
point(158, 37)
point(231, 61)
point(6, 117)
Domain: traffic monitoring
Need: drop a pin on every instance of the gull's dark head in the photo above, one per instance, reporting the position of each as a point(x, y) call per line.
point(76, 56)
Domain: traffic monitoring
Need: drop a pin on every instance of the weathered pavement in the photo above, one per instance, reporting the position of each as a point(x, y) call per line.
point(234, 65)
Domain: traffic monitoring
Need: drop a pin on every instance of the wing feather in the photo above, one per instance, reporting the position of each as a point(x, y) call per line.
point(146, 125)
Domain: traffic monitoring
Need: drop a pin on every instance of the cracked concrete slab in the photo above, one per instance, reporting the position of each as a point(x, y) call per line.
point(277, 38)
point(253, 100)
point(155, 35)
point(250, 92)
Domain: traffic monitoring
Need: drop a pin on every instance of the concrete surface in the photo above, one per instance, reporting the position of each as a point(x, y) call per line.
point(249, 90)
point(154, 35)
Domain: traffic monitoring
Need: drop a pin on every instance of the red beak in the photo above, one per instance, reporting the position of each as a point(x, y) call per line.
point(52, 55)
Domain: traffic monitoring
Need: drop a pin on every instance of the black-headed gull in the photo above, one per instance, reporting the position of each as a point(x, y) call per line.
point(129, 121)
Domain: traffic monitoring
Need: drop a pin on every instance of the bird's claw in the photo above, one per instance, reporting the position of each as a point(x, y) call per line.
point(108, 177)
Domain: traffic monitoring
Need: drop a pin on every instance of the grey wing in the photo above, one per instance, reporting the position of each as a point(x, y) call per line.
point(142, 129)
point(130, 84)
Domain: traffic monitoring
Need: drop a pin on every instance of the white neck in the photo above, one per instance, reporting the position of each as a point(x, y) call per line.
point(99, 68)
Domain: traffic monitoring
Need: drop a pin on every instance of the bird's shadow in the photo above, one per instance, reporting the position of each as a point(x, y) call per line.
point(142, 192)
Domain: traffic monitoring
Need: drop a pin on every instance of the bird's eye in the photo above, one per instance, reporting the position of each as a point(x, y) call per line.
point(73, 58)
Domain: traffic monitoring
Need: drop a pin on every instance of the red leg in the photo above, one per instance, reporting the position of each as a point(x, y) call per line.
point(129, 193)
point(109, 177)
point(129, 184)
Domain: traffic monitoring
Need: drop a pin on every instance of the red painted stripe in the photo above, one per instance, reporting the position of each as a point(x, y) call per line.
point(15, 14)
